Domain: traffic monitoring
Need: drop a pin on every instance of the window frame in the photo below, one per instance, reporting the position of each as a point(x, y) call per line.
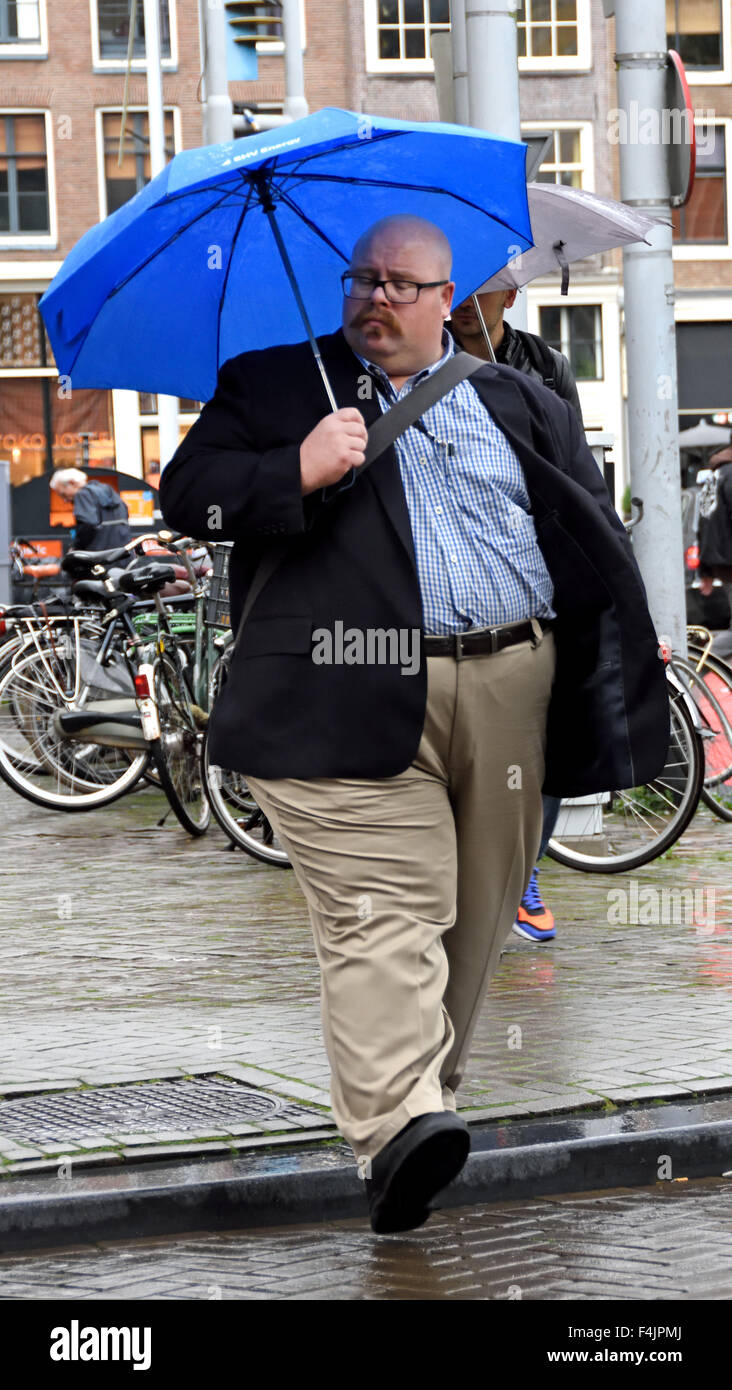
point(566, 307)
point(700, 77)
point(587, 144)
point(100, 64)
point(375, 64)
point(579, 62)
point(99, 113)
point(713, 250)
point(30, 241)
point(36, 48)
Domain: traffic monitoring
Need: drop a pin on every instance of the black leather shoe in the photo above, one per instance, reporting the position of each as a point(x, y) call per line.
point(416, 1164)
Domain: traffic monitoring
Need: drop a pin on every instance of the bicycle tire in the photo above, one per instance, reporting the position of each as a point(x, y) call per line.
point(177, 752)
point(228, 793)
point(72, 787)
point(682, 729)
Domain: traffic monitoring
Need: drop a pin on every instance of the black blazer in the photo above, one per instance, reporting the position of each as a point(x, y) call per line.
point(236, 476)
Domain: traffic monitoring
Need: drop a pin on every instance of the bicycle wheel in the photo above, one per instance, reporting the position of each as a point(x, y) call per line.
point(239, 815)
point(40, 764)
point(624, 829)
point(177, 753)
point(231, 800)
point(716, 710)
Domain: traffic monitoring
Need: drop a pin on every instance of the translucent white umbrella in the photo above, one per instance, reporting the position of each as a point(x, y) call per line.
point(569, 224)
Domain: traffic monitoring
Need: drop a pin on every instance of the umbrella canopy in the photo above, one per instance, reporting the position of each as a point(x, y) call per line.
point(704, 436)
point(204, 261)
point(569, 224)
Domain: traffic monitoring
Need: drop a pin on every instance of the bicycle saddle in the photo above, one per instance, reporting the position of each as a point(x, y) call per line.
point(146, 579)
point(80, 562)
point(95, 589)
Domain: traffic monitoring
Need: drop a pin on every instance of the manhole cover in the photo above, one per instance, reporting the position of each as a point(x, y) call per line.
point(206, 1105)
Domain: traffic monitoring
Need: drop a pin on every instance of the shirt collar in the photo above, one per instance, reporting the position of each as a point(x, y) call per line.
point(448, 348)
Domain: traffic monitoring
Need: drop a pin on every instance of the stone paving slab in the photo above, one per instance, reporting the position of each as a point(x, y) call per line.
point(129, 952)
point(660, 1243)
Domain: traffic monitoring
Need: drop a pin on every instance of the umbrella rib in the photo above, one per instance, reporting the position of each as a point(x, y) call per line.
point(228, 272)
point(158, 249)
point(412, 188)
point(289, 200)
point(134, 272)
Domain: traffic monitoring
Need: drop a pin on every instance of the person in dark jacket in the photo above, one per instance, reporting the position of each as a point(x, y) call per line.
point(433, 639)
point(100, 515)
point(528, 353)
point(715, 544)
point(525, 352)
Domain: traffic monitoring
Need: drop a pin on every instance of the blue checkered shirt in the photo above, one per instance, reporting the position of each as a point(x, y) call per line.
point(478, 559)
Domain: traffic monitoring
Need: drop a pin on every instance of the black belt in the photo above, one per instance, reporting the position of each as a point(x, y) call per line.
point(485, 639)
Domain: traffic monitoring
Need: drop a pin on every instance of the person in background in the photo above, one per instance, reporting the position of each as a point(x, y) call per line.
point(525, 352)
point(715, 544)
point(101, 517)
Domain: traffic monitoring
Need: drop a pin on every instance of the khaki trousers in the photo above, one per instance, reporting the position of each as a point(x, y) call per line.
point(412, 884)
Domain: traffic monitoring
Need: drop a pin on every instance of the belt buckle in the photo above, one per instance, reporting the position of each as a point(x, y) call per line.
point(494, 639)
point(459, 656)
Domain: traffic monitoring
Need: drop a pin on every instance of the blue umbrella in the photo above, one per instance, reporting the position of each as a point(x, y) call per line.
point(241, 245)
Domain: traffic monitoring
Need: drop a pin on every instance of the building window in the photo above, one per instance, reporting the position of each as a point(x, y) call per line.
point(24, 204)
point(575, 330)
point(548, 29)
point(20, 21)
point(694, 29)
point(563, 163)
point(23, 338)
point(123, 181)
point(113, 18)
point(404, 26)
point(398, 33)
point(704, 219)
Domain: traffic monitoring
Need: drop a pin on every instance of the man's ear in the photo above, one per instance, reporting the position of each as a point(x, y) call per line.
point(447, 293)
point(510, 298)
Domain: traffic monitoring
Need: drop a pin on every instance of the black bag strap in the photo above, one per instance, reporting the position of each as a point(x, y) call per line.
point(381, 435)
point(540, 356)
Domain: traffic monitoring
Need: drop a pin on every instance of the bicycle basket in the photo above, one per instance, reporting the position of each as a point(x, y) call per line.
point(217, 604)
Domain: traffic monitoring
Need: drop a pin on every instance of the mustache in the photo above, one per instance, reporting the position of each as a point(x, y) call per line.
point(389, 320)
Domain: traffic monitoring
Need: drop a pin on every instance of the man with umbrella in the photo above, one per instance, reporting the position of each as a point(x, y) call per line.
point(408, 793)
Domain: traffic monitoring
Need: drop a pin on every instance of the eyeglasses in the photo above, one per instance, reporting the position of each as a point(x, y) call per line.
point(396, 291)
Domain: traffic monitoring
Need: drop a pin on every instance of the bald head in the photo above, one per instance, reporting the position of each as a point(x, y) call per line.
point(422, 237)
point(401, 334)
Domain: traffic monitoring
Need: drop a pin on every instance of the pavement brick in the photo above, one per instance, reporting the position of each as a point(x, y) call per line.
point(658, 1243)
point(221, 976)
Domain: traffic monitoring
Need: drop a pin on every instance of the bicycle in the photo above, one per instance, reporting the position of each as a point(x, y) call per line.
point(622, 829)
point(231, 801)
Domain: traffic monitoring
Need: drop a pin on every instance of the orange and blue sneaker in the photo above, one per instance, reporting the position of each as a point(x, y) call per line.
point(534, 921)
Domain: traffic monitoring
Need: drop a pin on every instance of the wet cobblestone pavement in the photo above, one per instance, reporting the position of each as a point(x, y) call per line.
point(665, 1242)
point(129, 952)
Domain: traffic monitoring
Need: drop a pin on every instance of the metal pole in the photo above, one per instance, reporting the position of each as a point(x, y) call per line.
point(167, 405)
point(459, 62)
point(295, 103)
point(218, 111)
point(650, 330)
point(493, 82)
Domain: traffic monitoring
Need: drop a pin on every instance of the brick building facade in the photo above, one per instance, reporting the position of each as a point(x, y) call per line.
point(62, 70)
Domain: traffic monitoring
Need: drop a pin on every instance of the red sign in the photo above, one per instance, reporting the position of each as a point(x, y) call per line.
point(681, 152)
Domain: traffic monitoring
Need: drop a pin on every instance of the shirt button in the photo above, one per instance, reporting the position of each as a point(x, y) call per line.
point(438, 511)
point(453, 559)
